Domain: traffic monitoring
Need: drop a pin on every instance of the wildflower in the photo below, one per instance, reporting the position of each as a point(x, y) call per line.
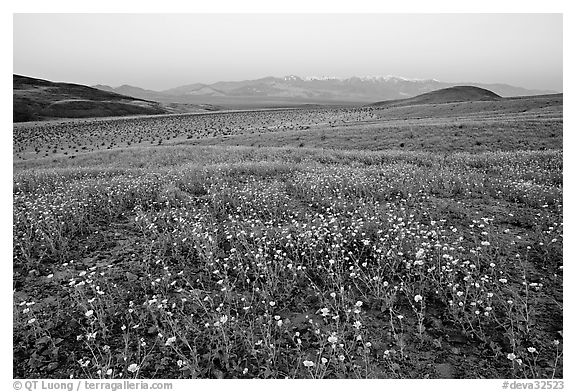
point(502, 280)
point(341, 357)
point(359, 304)
point(308, 363)
point(89, 313)
point(324, 312)
point(91, 335)
point(109, 372)
point(171, 340)
point(245, 371)
point(84, 363)
point(333, 338)
point(31, 320)
point(531, 350)
point(223, 319)
point(418, 298)
point(324, 361)
point(357, 324)
point(511, 356)
point(133, 368)
point(272, 303)
point(485, 243)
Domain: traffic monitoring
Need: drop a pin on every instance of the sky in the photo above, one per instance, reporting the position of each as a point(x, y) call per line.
point(161, 51)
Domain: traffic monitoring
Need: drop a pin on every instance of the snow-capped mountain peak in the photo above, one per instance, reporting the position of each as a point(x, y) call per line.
point(292, 78)
point(309, 78)
point(369, 78)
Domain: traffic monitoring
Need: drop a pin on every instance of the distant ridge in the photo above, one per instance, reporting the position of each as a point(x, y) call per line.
point(294, 90)
point(445, 95)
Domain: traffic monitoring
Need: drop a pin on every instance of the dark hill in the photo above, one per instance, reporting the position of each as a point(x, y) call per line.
point(446, 95)
point(38, 99)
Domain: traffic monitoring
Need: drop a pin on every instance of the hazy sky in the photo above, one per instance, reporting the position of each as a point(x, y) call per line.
point(160, 51)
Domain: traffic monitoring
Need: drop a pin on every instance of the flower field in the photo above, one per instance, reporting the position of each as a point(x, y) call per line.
point(243, 262)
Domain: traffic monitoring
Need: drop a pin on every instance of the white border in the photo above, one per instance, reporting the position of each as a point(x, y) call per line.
point(294, 6)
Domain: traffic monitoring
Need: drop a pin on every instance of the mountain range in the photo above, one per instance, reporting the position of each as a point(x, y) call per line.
point(38, 99)
point(296, 90)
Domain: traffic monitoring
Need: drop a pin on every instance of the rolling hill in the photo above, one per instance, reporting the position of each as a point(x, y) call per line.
point(446, 95)
point(38, 99)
